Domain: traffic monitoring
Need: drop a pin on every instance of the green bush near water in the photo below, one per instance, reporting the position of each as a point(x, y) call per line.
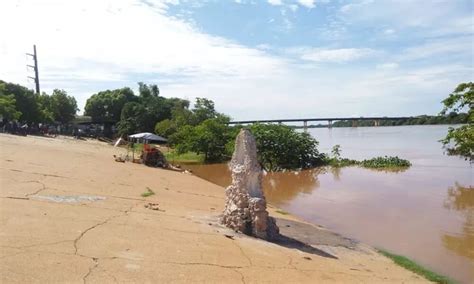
point(416, 268)
point(385, 162)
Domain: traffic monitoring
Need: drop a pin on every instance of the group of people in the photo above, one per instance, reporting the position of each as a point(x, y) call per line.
point(19, 128)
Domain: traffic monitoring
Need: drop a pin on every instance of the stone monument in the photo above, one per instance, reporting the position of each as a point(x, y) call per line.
point(246, 208)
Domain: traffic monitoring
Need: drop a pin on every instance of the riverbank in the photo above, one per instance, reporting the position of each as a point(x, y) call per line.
point(70, 213)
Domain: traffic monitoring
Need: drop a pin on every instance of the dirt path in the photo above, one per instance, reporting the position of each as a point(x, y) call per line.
point(70, 213)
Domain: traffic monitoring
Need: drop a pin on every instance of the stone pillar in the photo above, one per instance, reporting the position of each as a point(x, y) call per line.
point(246, 208)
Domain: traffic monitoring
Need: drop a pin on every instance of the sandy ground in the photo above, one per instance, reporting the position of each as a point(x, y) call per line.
point(70, 213)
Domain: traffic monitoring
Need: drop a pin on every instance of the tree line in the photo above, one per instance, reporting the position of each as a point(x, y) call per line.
point(450, 118)
point(203, 130)
point(18, 103)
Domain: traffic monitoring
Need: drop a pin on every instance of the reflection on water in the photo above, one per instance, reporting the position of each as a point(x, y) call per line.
point(425, 212)
point(278, 187)
point(461, 199)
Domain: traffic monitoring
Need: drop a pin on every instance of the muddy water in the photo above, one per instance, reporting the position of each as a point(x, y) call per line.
point(425, 212)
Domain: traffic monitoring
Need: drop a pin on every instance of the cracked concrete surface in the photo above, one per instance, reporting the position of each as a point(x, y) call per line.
point(117, 240)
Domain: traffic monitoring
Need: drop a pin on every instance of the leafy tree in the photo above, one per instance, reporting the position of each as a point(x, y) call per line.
point(203, 109)
point(7, 105)
point(281, 147)
point(106, 106)
point(45, 105)
point(131, 118)
point(156, 108)
point(63, 107)
point(209, 138)
point(460, 141)
point(25, 101)
point(165, 128)
point(146, 91)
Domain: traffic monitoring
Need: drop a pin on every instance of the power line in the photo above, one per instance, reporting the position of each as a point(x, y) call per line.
point(35, 68)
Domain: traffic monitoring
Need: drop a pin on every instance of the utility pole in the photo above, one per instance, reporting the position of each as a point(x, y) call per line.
point(35, 67)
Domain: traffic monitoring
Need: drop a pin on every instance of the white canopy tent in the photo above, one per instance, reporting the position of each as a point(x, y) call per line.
point(148, 137)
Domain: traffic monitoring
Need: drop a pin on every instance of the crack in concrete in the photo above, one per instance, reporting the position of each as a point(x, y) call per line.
point(197, 194)
point(76, 240)
point(15, 197)
point(202, 263)
point(94, 266)
point(39, 190)
point(243, 253)
point(242, 277)
point(35, 173)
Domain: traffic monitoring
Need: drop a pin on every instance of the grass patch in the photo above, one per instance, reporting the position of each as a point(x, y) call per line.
point(188, 157)
point(416, 268)
point(282, 212)
point(148, 192)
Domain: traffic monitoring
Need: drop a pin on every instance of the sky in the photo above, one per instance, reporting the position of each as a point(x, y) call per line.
point(255, 59)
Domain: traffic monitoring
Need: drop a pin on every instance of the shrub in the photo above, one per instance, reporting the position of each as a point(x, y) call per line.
point(281, 147)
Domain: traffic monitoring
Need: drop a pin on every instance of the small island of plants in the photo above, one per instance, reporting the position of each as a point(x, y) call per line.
point(385, 162)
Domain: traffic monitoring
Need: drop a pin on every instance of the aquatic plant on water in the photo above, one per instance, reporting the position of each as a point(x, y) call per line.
point(385, 162)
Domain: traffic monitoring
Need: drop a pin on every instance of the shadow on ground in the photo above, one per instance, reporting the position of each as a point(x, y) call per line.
point(304, 237)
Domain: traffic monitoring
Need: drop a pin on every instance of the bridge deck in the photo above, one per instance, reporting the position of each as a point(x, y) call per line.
point(319, 119)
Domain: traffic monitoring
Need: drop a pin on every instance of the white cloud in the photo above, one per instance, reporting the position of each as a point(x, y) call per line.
point(87, 46)
point(333, 55)
point(293, 7)
point(387, 66)
point(117, 39)
point(307, 3)
point(275, 2)
point(436, 48)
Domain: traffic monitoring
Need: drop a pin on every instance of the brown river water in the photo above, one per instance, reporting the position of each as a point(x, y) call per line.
point(425, 212)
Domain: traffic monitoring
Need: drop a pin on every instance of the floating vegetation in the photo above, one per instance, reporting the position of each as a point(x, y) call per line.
point(386, 162)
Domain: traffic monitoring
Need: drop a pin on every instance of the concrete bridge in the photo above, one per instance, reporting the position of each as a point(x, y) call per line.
point(355, 120)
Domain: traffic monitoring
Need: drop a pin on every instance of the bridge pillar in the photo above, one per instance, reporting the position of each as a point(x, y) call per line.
point(329, 123)
point(305, 125)
point(355, 123)
point(376, 122)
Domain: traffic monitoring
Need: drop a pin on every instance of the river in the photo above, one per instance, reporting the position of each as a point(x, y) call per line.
point(425, 212)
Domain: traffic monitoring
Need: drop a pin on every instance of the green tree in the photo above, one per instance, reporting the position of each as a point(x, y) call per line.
point(106, 106)
point(203, 109)
point(281, 147)
point(209, 138)
point(46, 108)
point(165, 128)
point(25, 102)
point(148, 91)
point(131, 118)
point(64, 107)
point(460, 140)
point(8, 109)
